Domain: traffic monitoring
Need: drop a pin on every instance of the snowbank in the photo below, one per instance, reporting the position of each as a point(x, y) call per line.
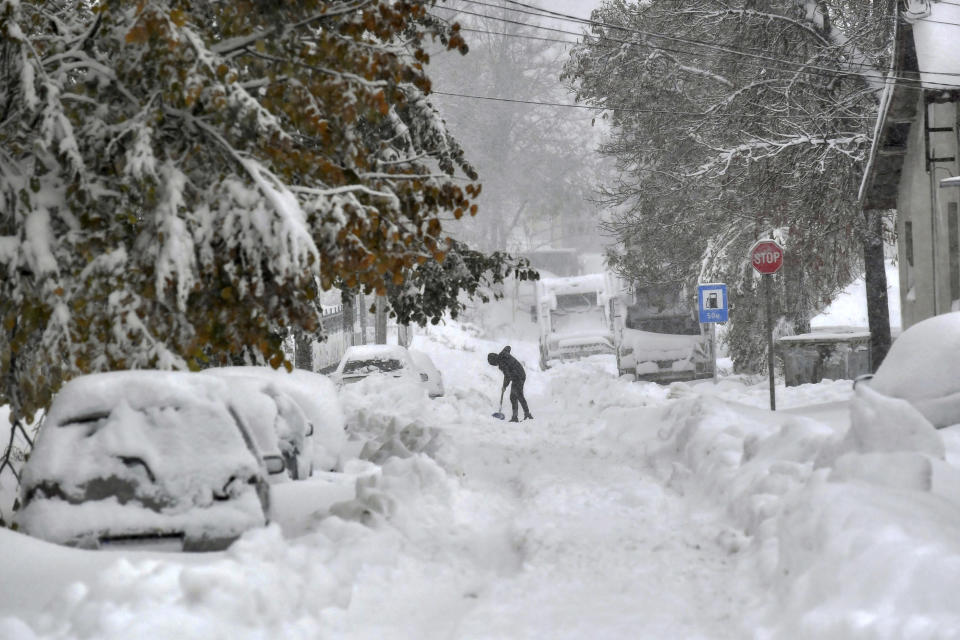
point(864, 545)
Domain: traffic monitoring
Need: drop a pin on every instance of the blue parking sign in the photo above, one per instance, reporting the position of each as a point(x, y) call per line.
point(712, 302)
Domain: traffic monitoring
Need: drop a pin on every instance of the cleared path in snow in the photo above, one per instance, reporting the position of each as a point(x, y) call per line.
point(556, 529)
point(606, 551)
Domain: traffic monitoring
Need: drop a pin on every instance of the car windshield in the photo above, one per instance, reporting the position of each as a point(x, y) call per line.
point(678, 325)
point(86, 420)
point(372, 365)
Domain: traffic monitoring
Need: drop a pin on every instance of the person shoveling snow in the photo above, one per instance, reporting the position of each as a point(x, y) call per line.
point(513, 375)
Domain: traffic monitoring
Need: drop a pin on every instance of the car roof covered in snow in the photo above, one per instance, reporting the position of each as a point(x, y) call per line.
point(575, 284)
point(177, 423)
point(376, 351)
point(314, 393)
point(139, 389)
point(922, 362)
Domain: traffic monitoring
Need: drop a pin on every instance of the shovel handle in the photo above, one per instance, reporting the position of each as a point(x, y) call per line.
point(501, 398)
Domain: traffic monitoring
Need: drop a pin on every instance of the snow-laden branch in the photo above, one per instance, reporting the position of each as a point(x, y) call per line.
point(404, 176)
point(856, 62)
point(237, 94)
point(233, 44)
point(350, 77)
point(762, 15)
point(698, 71)
point(759, 149)
point(348, 188)
point(283, 202)
point(730, 98)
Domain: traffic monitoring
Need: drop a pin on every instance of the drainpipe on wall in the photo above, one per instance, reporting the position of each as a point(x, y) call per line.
point(951, 182)
point(934, 236)
point(935, 210)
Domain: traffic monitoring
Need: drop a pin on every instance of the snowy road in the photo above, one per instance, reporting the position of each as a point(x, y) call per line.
point(623, 510)
point(605, 550)
point(569, 536)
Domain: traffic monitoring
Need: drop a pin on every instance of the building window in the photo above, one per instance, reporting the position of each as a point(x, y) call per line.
point(953, 225)
point(908, 241)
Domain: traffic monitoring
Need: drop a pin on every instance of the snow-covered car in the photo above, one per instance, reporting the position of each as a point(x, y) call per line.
point(434, 379)
point(276, 424)
point(921, 368)
point(310, 418)
point(144, 458)
point(391, 360)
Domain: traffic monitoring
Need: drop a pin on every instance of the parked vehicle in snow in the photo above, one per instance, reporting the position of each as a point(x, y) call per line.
point(659, 337)
point(921, 368)
point(308, 420)
point(574, 315)
point(276, 433)
point(144, 458)
point(555, 262)
point(434, 379)
point(390, 360)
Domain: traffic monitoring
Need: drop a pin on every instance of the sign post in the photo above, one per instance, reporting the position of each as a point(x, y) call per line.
point(714, 307)
point(766, 256)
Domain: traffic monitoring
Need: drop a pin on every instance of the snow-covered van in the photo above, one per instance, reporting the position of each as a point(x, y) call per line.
point(658, 336)
point(574, 315)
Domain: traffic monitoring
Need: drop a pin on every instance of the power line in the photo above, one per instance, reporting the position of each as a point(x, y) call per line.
point(572, 18)
point(555, 15)
point(519, 35)
point(570, 105)
point(541, 12)
point(802, 67)
point(605, 108)
point(809, 70)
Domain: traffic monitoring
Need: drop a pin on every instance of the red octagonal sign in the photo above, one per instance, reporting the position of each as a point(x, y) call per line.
point(766, 256)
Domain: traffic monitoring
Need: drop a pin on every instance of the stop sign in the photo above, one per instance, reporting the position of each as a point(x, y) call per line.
point(766, 256)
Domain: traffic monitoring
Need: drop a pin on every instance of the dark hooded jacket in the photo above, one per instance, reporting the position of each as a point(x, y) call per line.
point(510, 366)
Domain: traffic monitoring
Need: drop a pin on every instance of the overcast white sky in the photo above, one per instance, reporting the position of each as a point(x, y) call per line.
point(581, 8)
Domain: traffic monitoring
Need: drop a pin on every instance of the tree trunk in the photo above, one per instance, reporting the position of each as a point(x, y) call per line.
point(303, 351)
point(878, 313)
point(363, 318)
point(349, 314)
point(380, 329)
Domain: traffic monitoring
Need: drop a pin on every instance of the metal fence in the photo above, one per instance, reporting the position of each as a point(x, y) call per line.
point(342, 332)
point(327, 354)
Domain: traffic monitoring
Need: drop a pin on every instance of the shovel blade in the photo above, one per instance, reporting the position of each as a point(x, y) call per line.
point(499, 416)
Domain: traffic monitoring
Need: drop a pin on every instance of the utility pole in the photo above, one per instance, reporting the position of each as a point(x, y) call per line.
point(303, 351)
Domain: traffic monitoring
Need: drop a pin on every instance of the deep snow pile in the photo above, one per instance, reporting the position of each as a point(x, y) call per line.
point(624, 510)
point(864, 546)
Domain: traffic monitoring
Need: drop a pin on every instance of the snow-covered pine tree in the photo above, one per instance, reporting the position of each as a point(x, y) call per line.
point(175, 176)
point(731, 123)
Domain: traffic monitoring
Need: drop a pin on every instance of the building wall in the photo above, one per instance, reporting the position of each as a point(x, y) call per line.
point(946, 206)
point(914, 231)
point(928, 220)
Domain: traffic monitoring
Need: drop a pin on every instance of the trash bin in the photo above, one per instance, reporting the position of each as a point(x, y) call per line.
point(836, 353)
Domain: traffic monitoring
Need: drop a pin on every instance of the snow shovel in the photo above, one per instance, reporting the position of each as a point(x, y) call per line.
point(499, 414)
